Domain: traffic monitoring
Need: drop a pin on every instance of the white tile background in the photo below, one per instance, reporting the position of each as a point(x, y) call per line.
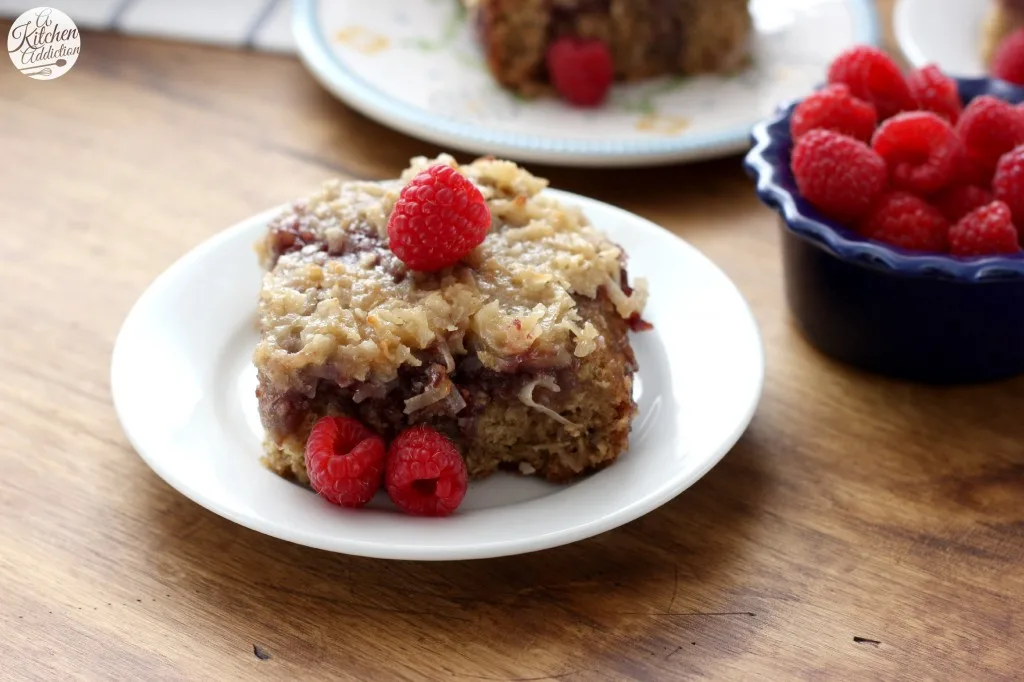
point(257, 24)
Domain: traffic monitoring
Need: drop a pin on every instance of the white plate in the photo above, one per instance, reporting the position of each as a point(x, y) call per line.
point(943, 32)
point(415, 65)
point(183, 386)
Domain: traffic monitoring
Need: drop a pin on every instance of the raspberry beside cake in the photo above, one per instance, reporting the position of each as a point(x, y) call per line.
point(645, 38)
point(519, 353)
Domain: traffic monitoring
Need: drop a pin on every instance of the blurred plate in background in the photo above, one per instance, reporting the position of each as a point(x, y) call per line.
point(414, 65)
point(943, 32)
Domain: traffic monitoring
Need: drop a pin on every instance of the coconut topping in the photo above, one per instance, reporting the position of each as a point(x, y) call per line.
point(336, 304)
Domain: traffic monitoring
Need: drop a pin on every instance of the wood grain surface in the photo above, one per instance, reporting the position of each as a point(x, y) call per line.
point(863, 529)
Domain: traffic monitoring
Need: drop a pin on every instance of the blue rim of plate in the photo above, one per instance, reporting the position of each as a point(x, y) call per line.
point(362, 95)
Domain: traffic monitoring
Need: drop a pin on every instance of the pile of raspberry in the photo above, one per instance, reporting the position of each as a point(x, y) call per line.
point(899, 158)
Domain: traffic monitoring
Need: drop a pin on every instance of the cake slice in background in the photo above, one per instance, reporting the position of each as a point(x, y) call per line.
point(1003, 18)
point(645, 38)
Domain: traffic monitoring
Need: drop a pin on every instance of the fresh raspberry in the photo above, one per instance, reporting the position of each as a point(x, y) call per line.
point(873, 77)
point(425, 473)
point(345, 461)
point(908, 221)
point(989, 127)
point(1008, 184)
point(936, 92)
point(841, 176)
point(985, 231)
point(921, 150)
point(1008, 61)
point(958, 201)
point(834, 108)
point(581, 70)
point(971, 172)
point(439, 218)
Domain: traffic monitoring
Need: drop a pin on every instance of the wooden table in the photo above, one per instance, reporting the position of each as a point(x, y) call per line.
point(862, 529)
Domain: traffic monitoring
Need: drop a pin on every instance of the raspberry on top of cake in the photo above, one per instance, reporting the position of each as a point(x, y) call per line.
point(519, 352)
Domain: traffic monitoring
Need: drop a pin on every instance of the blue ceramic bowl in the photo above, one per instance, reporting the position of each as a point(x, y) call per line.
point(929, 318)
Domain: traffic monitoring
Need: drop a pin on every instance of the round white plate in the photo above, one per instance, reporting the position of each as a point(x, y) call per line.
point(415, 65)
point(183, 386)
point(943, 32)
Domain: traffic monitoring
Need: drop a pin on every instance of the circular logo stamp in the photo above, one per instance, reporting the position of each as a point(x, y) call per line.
point(43, 43)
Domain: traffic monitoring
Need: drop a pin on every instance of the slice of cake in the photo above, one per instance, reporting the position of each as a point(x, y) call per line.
point(1004, 17)
point(519, 353)
point(644, 37)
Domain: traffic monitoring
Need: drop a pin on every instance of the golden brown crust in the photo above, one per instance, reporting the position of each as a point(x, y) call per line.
point(514, 34)
point(718, 37)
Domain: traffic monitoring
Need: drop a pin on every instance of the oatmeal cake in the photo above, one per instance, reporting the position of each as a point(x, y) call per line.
point(1004, 17)
point(519, 353)
point(645, 37)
